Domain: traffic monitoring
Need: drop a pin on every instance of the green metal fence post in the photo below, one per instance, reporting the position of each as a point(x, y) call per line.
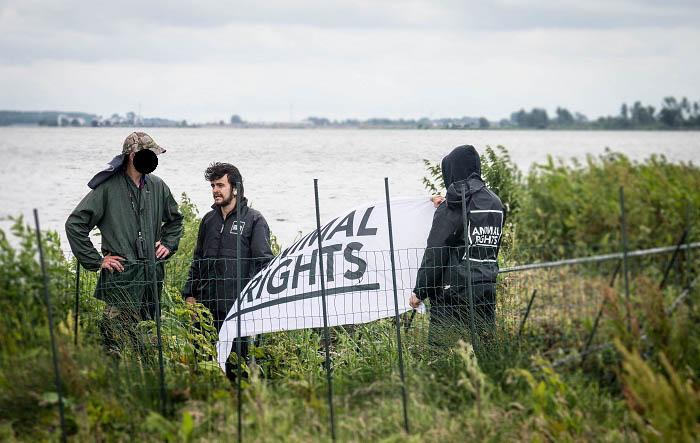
point(397, 319)
point(54, 352)
point(326, 331)
point(625, 264)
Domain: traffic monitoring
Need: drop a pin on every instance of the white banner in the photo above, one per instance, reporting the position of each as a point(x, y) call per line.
point(286, 294)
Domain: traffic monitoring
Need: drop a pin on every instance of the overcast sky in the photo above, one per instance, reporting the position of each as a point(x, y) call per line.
point(276, 60)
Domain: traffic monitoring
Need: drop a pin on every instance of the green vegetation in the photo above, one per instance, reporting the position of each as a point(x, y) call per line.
point(674, 114)
point(561, 210)
point(642, 388)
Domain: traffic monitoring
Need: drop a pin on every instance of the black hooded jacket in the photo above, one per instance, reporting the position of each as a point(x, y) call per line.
point(213, 274)
point(443, 263)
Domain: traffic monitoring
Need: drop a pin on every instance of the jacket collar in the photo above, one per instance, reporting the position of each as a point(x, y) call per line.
point(142, 181)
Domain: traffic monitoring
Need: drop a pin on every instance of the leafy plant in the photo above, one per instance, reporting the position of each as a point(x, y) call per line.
point(665, 406)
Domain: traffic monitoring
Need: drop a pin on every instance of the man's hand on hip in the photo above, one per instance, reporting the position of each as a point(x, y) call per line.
point(161, 251)
point(112, 263)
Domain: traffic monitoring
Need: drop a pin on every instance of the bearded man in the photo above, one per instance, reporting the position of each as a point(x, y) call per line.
point(213, 279)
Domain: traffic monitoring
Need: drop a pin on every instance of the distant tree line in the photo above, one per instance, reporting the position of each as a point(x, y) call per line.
point(44, 118)
point(401, 123)
point(673, 114)
point(56, 118)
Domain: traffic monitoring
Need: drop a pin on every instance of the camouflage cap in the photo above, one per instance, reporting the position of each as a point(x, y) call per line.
point(137, 141)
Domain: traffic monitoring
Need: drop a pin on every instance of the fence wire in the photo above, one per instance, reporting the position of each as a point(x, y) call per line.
point(556, 310)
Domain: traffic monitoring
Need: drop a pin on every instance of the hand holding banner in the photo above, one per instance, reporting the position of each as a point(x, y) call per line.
point(286, 294)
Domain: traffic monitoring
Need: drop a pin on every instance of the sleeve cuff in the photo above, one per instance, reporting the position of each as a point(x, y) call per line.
point(92, 266)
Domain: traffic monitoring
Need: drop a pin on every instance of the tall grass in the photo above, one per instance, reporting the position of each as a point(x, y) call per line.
point(509, 388)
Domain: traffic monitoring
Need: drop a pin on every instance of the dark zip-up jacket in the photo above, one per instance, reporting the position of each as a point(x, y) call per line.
point(109, 207)
point(213, 274)
point(444, 263)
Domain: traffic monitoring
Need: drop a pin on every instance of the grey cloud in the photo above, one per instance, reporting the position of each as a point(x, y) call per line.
point(499, 14)
point(174, 31)
point(237, 43)
point(568, 14)
point(98, 17)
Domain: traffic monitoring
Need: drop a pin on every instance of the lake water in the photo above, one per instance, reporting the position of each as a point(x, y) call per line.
point(48, 168)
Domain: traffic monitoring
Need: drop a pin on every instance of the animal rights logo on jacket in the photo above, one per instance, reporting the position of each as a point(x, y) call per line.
point(485, 228)
point(237, 227)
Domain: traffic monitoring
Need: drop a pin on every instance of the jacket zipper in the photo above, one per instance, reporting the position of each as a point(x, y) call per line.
point(221, 234)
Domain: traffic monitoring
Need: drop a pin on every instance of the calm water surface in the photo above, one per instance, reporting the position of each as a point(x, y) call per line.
point(48, 168)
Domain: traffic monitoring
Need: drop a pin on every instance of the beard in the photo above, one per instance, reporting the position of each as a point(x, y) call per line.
point(226, 201)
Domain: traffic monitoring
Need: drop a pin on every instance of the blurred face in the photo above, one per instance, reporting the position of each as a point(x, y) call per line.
point(221, 191)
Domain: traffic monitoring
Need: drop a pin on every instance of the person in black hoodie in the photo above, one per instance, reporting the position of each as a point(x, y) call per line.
point(442, 277)
point(213, 278)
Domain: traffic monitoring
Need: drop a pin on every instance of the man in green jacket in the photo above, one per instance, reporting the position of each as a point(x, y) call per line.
point(140, 226)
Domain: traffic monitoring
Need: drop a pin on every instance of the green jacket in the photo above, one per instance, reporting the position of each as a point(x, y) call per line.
point(109, 207)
